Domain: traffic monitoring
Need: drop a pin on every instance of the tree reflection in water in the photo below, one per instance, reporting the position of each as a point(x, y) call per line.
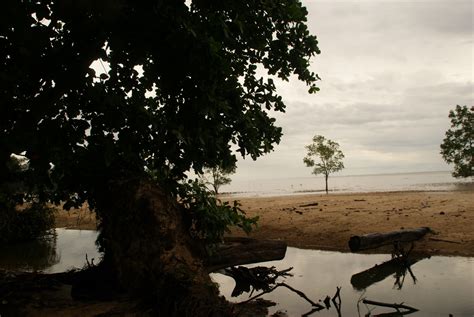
point(264, 279)
point(36, 255)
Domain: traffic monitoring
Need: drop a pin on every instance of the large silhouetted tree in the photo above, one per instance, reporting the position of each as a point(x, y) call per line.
point(181, 82)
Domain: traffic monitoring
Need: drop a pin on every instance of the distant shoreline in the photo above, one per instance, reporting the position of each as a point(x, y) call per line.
point(229, 195)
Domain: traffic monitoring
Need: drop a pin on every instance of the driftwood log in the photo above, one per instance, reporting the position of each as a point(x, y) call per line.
point(375, 240)
point(240, 251)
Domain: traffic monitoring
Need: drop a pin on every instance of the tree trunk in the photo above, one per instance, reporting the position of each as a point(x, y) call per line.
point(375, 240)
point(326, 178)
point(153, 255)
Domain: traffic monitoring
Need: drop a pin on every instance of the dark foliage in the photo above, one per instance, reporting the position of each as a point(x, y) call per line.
point(30, 223)
point(210, 218)
point(458, 146)
point(199, 91)
point(185, 84)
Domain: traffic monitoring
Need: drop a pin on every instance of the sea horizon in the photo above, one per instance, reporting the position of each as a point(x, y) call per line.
point(363, 183)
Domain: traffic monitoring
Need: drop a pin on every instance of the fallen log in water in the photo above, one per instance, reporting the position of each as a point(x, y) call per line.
point(240, 251)
point(375, 240)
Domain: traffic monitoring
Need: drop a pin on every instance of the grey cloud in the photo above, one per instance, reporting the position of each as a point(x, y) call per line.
point(391, 72)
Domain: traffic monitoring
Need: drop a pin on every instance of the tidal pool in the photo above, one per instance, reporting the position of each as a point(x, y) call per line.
point(436, 286)
point(439, 285)
point(59, 252)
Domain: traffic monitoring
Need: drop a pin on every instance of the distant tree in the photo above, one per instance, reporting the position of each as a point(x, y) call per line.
point(458, 145)
point(329, 155)
point(218, 176)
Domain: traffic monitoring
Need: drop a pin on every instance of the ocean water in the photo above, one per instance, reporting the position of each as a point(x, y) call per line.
point(424, 181)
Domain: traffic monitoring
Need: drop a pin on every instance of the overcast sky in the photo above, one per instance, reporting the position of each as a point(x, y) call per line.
point(391, 71)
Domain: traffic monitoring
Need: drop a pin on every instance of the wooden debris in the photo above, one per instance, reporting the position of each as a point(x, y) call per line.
point(397, 307)
point(444, 240)
point(239, 251)
point(256, 278)
point(375, 240)
point(309, 205)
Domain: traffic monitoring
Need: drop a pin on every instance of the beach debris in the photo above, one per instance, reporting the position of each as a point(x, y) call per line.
point(442, 213)
point(280, 313)
point(310, 204)
point(241, 250)
point(316, 306)
point(425, 204)
point(400, 309)
point(359, 200)
point(327, 302)
point(248, 280)
point(265, 279)
point(444, 240)
point(375, 240)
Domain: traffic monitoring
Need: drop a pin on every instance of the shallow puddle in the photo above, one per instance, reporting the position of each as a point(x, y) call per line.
point(56, 253)
point(439, 286)
point(436, 286)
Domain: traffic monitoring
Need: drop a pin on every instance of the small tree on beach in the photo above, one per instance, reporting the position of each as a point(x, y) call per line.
point(217, 176)
point(329, 155)
point(458, 145)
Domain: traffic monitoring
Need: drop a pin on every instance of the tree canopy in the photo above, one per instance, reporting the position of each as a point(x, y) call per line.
point(218, 176)
point(185, 81)
point(458, 145)
point(185, 85)
point(328, 154)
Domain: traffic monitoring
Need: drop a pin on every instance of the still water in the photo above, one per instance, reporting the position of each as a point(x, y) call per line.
point(64, 250)
point(439, 286)
point(425, 181)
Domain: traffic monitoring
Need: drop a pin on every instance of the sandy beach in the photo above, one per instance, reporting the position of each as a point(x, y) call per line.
point(326, 222)
point(336, 217)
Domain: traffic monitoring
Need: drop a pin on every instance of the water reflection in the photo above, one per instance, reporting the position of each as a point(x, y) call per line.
point(35, 255)
point(444, 285)
point(64, 250)
point(397, 267)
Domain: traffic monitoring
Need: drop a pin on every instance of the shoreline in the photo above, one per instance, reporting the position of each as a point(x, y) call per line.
point(227, 196)
point(338, 216)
